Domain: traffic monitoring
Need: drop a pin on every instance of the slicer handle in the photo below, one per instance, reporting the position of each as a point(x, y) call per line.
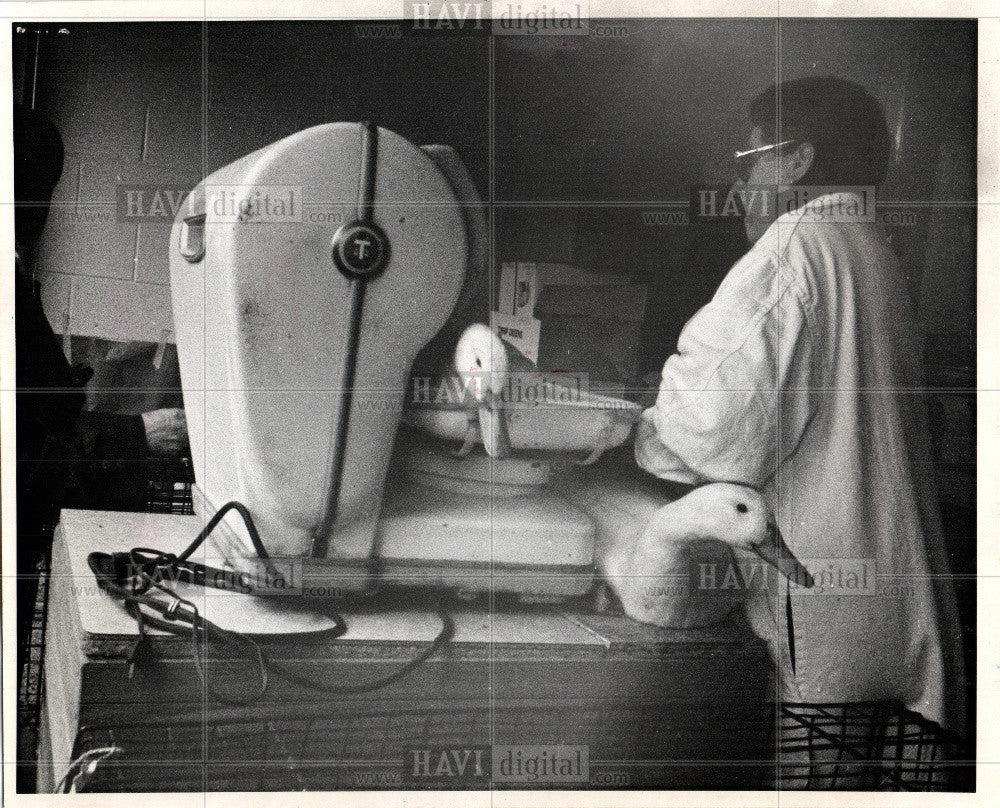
point(192, 238)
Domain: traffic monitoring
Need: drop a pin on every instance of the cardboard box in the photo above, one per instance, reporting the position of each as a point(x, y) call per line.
point(521, 332)
point(521, 283)
point(566, 318)
point(594, 330)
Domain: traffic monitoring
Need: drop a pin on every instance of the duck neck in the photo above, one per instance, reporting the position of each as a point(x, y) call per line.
point(684, 520)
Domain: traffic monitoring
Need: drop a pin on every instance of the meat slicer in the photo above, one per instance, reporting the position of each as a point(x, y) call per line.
point(306, 279)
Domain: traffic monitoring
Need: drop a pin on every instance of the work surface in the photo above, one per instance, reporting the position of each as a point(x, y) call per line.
point(633, 706)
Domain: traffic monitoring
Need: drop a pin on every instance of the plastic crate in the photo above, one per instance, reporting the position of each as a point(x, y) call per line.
point(867, 746)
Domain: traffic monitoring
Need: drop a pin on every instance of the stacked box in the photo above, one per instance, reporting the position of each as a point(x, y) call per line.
point(570, 319)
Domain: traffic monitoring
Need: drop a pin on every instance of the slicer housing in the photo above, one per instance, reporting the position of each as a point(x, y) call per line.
point(263, 313)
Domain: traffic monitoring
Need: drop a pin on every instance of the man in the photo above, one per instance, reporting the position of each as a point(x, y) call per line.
point(802, 378)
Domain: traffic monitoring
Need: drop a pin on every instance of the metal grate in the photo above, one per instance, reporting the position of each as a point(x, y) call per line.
point(870, 746)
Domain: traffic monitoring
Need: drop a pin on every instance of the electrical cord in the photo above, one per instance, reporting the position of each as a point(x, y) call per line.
point(444, 636)
point(132, 577)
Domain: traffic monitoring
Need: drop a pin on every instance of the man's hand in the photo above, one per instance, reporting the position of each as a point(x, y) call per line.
point(166, 431)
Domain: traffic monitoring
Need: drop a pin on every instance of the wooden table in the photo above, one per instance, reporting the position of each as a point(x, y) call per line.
point(629, 706)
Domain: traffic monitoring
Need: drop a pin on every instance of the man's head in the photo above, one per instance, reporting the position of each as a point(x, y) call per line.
point(833, 133)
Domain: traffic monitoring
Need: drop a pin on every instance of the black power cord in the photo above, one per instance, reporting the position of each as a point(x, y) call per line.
point(132, 576)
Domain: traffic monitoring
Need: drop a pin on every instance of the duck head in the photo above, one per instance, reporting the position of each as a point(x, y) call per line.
point(481, 356)
point(739, 516)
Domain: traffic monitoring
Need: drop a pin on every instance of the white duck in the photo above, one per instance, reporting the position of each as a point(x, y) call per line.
point(678, 537)
point(485, 362)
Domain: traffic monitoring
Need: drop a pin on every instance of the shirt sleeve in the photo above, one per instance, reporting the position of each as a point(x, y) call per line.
point(737, 396)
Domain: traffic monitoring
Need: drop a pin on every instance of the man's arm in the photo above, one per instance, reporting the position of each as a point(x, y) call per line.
point(736, 398)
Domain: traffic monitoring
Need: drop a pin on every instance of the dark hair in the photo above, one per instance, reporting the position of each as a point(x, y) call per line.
point(38, 163)
point(841, 119)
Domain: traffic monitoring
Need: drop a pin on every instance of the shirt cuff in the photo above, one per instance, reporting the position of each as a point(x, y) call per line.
point(652, 455)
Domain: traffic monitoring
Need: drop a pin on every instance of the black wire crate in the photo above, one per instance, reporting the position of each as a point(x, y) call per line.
point(169, 488)
point(867, 746)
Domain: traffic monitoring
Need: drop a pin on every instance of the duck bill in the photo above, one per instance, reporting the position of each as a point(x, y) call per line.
point(776, 553)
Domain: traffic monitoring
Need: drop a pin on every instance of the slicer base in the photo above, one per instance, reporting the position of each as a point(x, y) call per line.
point(336, 577)
point(535, 583)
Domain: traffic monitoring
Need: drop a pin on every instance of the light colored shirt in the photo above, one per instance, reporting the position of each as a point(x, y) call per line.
point(802, 377)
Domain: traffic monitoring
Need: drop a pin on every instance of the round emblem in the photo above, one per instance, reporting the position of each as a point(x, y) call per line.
point(360, 250)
